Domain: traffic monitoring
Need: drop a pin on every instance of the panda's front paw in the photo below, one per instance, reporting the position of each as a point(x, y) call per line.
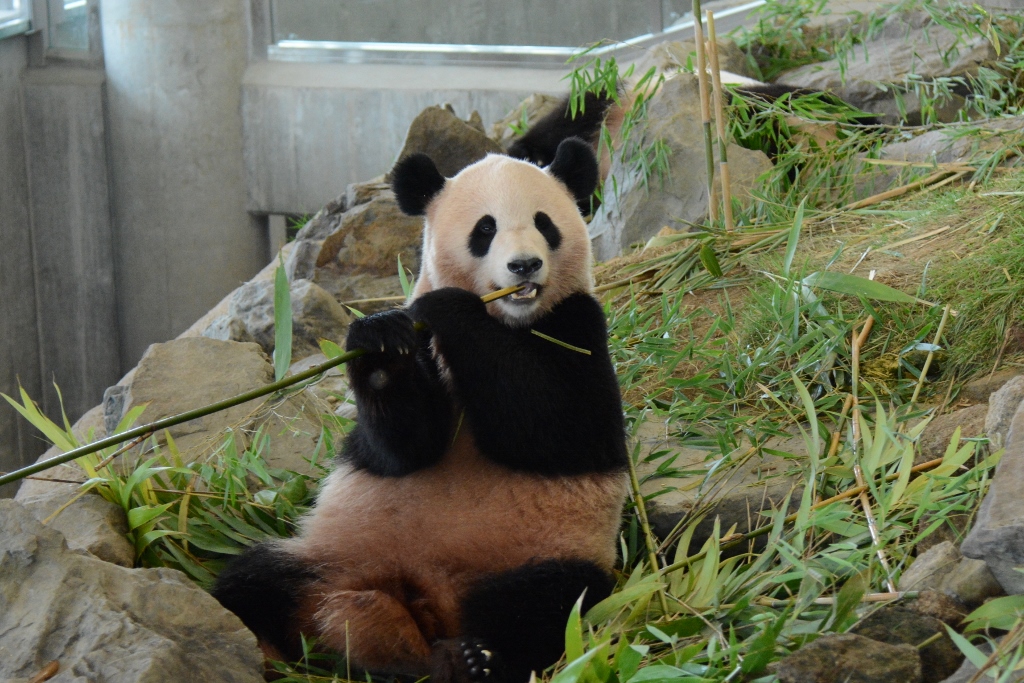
point(465, 660)
point(440, 306)
point(388, 332)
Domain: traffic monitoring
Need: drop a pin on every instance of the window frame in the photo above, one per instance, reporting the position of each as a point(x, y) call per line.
point(16, 22)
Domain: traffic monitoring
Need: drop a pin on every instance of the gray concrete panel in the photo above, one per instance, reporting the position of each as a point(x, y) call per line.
point(311, 129)
point(19, 350)
point(73, 244)
point(182, 236)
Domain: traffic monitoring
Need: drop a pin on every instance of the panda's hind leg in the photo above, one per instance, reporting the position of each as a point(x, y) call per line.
point(376, 630)
point(264, 587)
point(514, 622)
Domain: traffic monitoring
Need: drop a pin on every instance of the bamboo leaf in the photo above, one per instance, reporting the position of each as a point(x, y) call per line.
point(330, 349)
point(404, 279)
point(139, 516)
point(574, 632)
point(844, 283)
point(574, 671)
point(709, 260)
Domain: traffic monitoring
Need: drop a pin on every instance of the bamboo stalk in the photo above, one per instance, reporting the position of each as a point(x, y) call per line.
point(865, 502)
point(931, 355)
point(896, 191)
point(829, 600)
point(641, 508)
point(705, 107)
point(723, 159)
point(146, 430)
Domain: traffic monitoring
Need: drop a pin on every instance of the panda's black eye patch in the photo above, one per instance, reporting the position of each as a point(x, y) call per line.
point(548, 229)
point(482, 235)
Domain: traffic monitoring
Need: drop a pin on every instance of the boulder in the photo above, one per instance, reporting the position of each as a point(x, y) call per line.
point(315, 315)
point(943, 568)
point(451, 142)
point(849, 658)
point(1002, 407)
point(189, 373)
point(896, 625)
point(939, 432)
point(734, 495)
point(945, 608)
point(998, 533)
point(108, 624)
point(672, 56)
point(908, 43)
point(88, 522)
point(635, 208)
point(978, 390)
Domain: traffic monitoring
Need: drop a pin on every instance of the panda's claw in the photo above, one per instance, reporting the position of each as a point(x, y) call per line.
point(390, 332)
point(466, 661)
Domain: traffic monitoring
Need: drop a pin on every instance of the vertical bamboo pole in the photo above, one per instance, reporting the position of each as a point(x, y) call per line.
point(705, 107)
point(723, 159)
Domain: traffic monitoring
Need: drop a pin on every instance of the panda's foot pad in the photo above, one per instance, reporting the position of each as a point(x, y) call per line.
point(465, 660)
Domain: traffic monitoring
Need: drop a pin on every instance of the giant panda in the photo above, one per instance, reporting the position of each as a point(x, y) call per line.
point(479, 495)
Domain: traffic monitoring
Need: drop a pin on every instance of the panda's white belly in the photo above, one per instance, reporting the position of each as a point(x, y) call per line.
point(460, 518)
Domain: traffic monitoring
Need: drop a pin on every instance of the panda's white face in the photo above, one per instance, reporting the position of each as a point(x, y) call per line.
point(504, 222)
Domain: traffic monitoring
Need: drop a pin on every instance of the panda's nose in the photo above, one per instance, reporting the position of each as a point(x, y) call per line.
point(525, 266)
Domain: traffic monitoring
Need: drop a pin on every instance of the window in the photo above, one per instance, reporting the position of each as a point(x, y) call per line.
point(14, 17)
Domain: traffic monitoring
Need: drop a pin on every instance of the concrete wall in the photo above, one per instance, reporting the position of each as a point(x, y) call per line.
point(183, 238)
point(66, 164)
point(311, 129)
point(485, 22)
point(19, 346)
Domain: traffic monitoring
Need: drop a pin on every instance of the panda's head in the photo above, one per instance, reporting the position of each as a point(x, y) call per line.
point(502, 222)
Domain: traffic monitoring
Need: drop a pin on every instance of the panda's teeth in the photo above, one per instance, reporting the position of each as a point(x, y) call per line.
point(529, 291)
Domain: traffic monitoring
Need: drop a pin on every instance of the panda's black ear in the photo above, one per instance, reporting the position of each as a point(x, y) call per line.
point(576, 166)
point(415, 181)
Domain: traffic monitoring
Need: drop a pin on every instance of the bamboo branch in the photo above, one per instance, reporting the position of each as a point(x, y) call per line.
point(896, 191)
point(723, 159)
point(705, 107)
point(146, 430)
point(931, 354)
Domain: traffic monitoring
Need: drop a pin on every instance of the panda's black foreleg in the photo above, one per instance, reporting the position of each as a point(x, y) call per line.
point(263, 587)
point(405, 413)
point(514, 622)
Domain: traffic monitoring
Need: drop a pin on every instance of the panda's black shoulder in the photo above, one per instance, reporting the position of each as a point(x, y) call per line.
point(577, 315)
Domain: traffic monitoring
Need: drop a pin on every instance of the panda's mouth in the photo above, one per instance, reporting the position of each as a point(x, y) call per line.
point(526, 295)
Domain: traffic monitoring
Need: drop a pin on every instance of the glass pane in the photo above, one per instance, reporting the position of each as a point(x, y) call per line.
point(13, 10)
point(69, 25)
point(569, 23)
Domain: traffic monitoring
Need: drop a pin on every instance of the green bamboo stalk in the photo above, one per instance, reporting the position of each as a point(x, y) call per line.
point(146, 430)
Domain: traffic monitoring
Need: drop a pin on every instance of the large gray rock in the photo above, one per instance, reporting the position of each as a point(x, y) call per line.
point(89, 522)
point(907, 44)
point(848, 658)
point(998, 533)
point(189, 373)
point(315, 315)
point(978, 390)
point(1002, 407)
point(942, 568)
point(108, 624)
point(634, 210)
point(451, 142)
